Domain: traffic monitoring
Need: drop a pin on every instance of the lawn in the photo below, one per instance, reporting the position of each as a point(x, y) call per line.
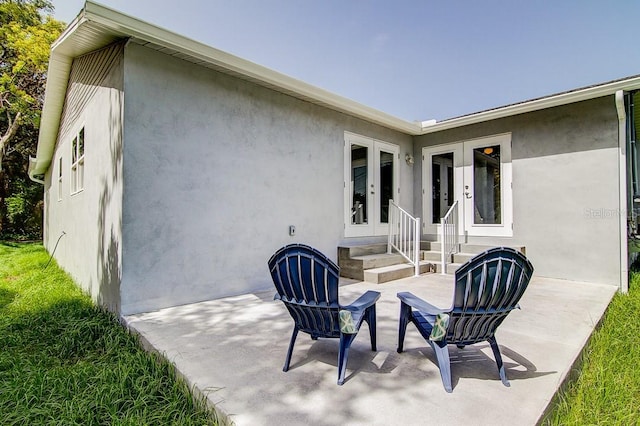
point(607, 390)
point(65, 361)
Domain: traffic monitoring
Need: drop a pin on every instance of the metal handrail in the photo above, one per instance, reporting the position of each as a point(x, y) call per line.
point(449, 235)
point(404, 235)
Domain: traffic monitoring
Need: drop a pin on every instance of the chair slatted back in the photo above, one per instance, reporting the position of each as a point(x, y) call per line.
point(307, 282)
point(487, 288)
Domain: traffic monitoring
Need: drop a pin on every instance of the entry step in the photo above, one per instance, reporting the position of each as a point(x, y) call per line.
point(395, 272)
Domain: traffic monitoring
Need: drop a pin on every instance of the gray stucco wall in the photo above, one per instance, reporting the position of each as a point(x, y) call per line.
point(90, 250)
point(565, 187)
point(215, 170)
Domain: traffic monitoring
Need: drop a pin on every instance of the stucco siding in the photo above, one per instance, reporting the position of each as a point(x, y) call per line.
point(90, 248)
point(565, 187)
point(216, 169)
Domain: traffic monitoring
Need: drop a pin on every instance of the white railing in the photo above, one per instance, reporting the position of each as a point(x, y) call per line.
point(449, 235)
point(404, 235)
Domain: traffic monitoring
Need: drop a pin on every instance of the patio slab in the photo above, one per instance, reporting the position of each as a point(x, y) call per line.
point(233, 350)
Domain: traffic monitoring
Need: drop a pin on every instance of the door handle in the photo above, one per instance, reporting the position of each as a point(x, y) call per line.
point(466, 192)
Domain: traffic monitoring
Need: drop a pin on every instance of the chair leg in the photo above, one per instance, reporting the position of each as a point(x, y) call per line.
point(343, 354)
point(442, 355)
point(496, 353)
point(405, 313)
point(370, 318)
point(290, 351)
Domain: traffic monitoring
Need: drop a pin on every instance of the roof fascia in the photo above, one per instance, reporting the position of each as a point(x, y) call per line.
point(120, 25)
point(133, 27)
point(579, 95)
point(55, 90)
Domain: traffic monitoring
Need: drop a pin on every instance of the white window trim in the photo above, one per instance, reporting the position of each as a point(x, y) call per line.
point(60, 179)
point(77, 167)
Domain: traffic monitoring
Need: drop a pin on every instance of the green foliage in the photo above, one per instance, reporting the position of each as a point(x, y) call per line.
point(66, 361)
point(24, 210)
point(608, 388)
point(26, 33)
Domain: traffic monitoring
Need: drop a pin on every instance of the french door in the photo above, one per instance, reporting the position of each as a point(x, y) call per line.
point(371, 180)
point(476, 173)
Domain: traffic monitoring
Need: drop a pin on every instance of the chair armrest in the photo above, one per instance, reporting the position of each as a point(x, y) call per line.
point(352, 315)
point(420, 304)
point(363, 302)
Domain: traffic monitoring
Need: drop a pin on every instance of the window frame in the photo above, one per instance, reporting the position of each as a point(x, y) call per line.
point(77, 160)
point(60, 191)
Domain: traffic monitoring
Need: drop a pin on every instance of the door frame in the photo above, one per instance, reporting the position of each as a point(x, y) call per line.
point(463, 176)
point(504, 229)
point(427, 173)
point(374, 225)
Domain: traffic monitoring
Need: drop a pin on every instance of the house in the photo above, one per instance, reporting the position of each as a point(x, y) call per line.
point(173, 170)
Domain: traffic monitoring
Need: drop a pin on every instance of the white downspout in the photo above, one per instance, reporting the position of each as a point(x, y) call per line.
point(622, 183)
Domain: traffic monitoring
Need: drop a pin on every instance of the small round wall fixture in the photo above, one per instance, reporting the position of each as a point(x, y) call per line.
point(409, 159)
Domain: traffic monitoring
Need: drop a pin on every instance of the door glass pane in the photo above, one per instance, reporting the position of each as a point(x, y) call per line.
point(442, 196)
point(386, 184)
point(81, 143)
point(359, 175)
point(486, 185)
point(74, 150)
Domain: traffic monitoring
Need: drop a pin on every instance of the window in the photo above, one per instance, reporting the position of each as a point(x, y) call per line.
point(77, 162)
point(60, 179)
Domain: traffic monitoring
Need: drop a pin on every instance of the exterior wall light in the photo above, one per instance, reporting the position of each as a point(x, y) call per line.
point(409, 159)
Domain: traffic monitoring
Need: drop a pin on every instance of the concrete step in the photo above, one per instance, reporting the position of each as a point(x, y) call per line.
point(470, 251)
point(348, 252)
point(463, 257)
point(465, 247)
point(379, 260)
point(451, 267)
point(354, 267)
point(395, 272)
point(430, 245)
point(432, 255)
point(435, 256)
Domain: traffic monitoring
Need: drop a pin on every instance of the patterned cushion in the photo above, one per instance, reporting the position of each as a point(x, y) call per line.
point(439, 330)
point(346, 322)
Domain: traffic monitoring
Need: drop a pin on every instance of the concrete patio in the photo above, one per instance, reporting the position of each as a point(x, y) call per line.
point(233, 350)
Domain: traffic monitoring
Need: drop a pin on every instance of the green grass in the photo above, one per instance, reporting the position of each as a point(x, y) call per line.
point(64, 361)
point(607, 390)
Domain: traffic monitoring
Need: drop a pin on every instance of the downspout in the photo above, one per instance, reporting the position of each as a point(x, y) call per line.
point(32, 164)
point(622, 183)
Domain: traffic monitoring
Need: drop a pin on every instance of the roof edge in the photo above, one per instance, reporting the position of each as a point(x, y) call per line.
point(573, 96)
point(123, 25)
point(58, 70)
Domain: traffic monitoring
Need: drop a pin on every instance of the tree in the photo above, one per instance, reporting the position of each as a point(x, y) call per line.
point(27, 30)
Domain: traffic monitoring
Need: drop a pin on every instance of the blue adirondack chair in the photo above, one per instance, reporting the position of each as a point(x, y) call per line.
point(307, 283)
point(487, 288)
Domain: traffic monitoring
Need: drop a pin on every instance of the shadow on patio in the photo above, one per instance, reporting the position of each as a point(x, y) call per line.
point(233, 349)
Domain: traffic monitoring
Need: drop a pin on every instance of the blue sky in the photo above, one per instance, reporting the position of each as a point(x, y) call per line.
point(417, 60)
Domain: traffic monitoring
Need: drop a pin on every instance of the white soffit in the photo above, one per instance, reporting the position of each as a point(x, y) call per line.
point(98, 26)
